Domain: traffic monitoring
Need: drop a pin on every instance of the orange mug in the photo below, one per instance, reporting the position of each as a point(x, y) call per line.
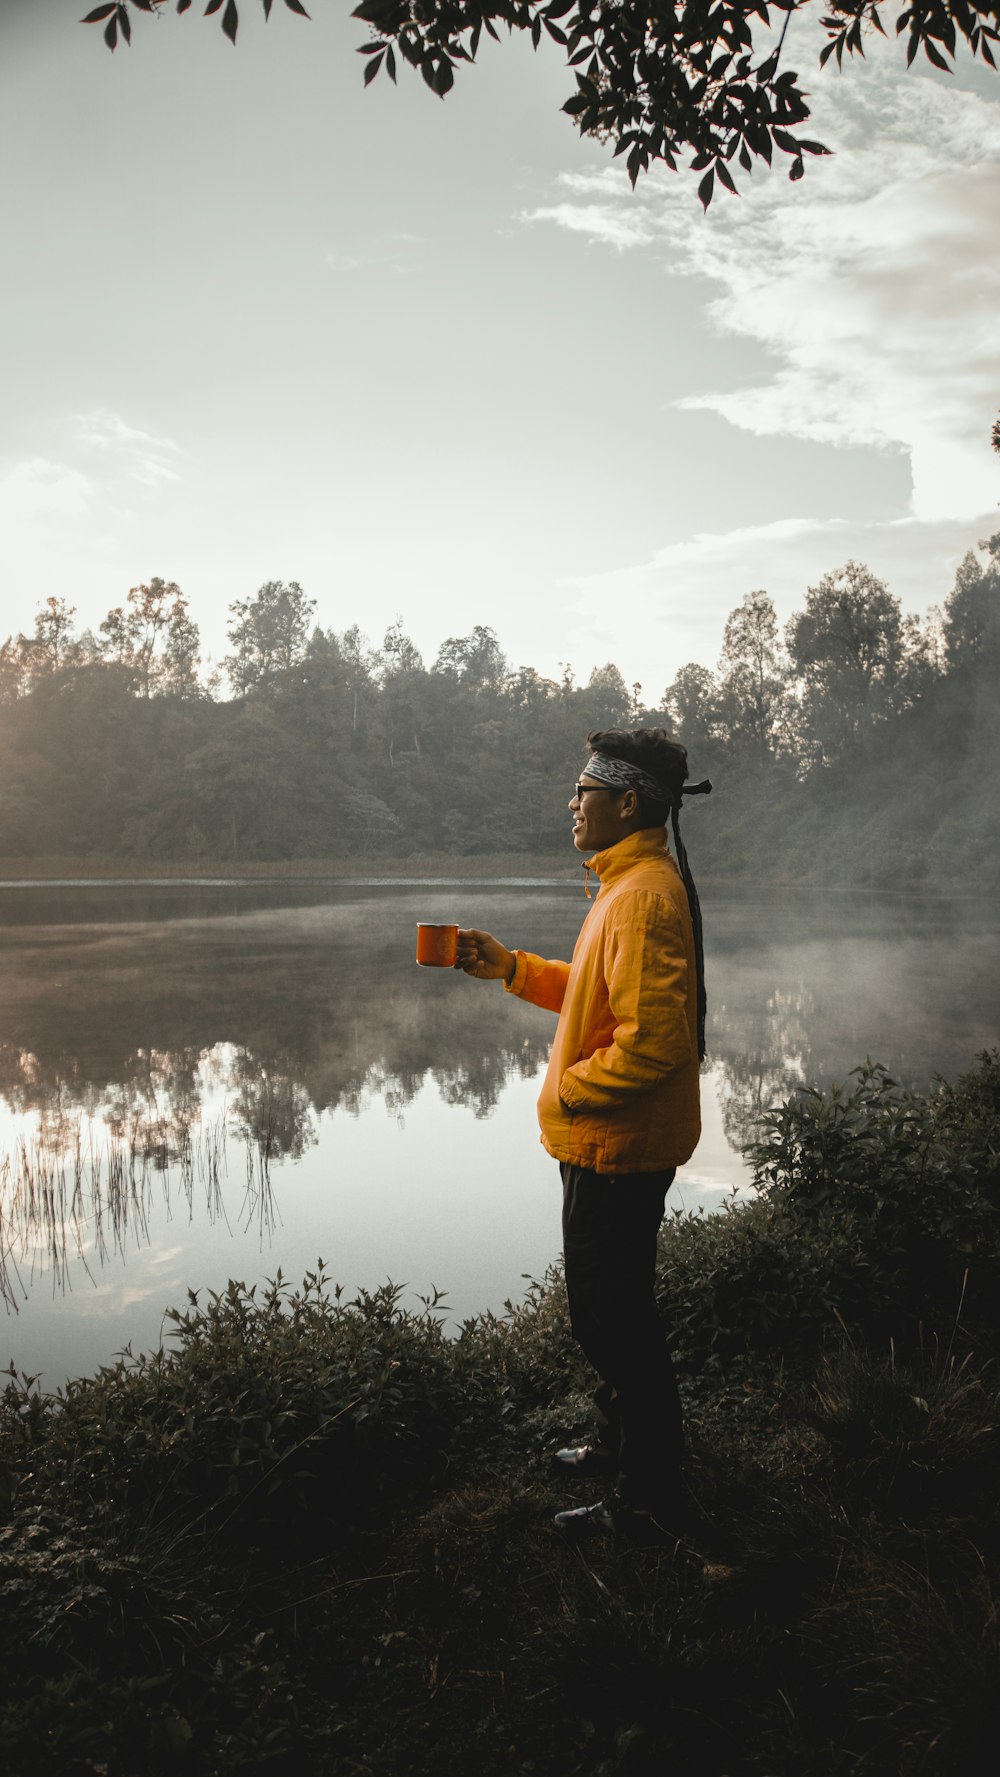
point(437, 946)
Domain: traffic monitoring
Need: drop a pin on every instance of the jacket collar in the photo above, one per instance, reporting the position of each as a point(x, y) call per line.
point(648, 842)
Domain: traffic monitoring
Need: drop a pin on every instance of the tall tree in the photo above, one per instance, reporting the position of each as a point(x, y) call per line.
point(658, 80)
point(691, 702)
point(153, 637)
point(848, 650)
point(399, 652)
point(753, 673)
point(972, 611)
point(24, 659)
point(608, 697)
point(53, 645)
point(477, 660)
point(268, 635)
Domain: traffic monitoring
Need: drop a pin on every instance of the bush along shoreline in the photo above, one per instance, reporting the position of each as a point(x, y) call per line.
point(314, 1535)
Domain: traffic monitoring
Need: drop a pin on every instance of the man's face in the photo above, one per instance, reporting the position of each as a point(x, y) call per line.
point(600, 816)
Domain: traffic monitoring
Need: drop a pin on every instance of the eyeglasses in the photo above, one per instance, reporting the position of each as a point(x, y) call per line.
point(582, 789)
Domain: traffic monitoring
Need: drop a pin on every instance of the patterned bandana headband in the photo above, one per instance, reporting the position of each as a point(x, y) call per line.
point(624, 776)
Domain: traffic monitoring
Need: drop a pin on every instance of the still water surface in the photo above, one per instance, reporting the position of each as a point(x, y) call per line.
point(207, 1081)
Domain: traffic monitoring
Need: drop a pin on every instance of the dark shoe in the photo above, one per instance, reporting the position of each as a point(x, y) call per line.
point(577, 1520)
point(583, 1459)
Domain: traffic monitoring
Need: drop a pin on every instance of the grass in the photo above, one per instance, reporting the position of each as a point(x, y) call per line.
point(315, 1535)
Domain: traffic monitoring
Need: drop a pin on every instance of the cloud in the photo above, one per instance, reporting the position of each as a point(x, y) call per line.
point(602, 220)
point(873, 287)
point(37, 489)
point(136, 455)
point(693, 585)
point(77, 512)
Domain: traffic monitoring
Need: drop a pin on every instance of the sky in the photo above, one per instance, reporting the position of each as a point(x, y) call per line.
point(436, 360)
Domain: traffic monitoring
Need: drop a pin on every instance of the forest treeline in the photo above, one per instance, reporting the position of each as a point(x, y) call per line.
point(857, 746)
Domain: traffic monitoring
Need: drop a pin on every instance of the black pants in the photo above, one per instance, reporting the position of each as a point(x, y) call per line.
point(610, 1225)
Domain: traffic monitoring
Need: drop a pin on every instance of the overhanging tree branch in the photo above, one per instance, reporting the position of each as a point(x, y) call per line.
point(658, 80)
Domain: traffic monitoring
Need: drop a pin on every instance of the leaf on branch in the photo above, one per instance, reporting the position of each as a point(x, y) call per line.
point(230, 20)
point(99, 12)
point(390, 65)
point(297, 6)
point(706, 188)
point(726, 177)
point(813, 148)
point(125, 23)
point(759, 141)
point(796, 169)
point(111, 31)
point(785, 141)
point(935, 56)
point(213, 6)
point(374, 66)
point(439, 75)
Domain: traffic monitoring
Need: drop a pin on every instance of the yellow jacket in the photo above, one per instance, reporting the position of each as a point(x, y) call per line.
point(621, 1090)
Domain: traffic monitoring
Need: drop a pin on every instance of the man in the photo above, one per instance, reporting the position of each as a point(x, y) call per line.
point(619, 1108)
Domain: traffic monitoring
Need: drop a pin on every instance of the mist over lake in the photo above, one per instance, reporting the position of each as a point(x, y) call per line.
point(224, 1079)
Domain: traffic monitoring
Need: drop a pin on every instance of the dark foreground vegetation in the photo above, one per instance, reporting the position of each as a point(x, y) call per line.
point(855, 748)
point(314, 1536)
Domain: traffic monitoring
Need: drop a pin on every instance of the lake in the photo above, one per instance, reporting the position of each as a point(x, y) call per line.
point(201, 1081)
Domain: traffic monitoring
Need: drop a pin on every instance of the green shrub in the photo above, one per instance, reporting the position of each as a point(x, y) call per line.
point(286, 1398)
point(905, 1186)
point(878, 1209)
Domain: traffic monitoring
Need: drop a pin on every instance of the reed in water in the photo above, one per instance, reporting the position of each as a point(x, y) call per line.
point(80, 1191)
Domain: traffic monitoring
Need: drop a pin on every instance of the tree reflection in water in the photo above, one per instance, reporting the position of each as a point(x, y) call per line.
point(132, 1048)
point(128, 1042)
